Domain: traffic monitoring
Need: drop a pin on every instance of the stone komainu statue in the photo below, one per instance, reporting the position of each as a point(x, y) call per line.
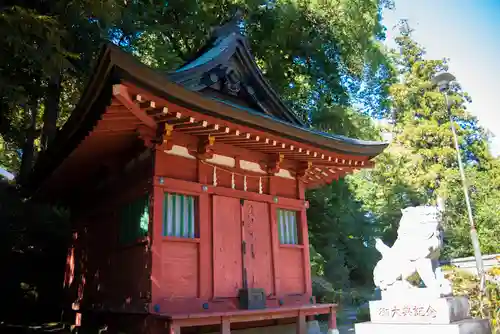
point(417, 249)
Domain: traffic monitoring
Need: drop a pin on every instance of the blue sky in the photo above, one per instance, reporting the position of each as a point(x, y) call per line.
point(468, 33)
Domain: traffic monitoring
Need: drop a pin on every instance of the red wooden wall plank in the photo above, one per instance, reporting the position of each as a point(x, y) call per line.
point(258, 245)
point(285, 187)
point(180, 269)
point(176, 167)
point(227, 247)
point(291, 270)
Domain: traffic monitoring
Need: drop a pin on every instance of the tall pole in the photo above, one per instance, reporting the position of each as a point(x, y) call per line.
point(473, 231)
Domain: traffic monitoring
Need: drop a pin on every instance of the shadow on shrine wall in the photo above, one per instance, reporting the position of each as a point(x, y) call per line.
point(33, 244)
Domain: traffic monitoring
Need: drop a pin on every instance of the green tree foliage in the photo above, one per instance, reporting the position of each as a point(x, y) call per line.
point(484, 194)
point(341, 232)
point(421, 162)
point(48, 46)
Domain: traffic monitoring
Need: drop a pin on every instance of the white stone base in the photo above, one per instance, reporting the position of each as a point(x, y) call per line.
point(469, 326)
point(419, 311)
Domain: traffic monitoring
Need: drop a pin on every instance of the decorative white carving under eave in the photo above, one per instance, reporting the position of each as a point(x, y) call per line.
point(180, 151)
point(222, 160)
point(251, 166)
point(285, 174)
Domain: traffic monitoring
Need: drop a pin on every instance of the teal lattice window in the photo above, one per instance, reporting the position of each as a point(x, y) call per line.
point(179, 216)
point(288, 227)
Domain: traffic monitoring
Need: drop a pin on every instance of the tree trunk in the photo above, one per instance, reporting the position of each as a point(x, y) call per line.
point(51, 112)
point(29, 145)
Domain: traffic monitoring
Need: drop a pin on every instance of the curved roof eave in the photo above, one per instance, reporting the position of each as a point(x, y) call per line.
point(148, 78)
point(115, 65)
point(333, 137)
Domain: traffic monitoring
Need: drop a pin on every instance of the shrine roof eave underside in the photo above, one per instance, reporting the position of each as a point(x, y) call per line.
point(115, 66)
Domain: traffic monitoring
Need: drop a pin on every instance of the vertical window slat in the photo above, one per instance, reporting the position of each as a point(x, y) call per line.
point(181, 216)
point(281, 226)
point(287, 224)
point(179, 213)
point(176, 215)
point(287, 227)
point(170, 214)
point(190, 217)
point(295, 238)
point(166, 209)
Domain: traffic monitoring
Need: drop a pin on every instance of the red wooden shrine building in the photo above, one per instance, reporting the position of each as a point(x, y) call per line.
point(186, 193)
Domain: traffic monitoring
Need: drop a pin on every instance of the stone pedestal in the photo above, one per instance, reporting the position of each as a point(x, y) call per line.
point(468, 326)
point(421, 313)
point(434, 311)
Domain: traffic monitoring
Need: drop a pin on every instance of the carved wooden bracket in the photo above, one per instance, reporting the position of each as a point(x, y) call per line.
point(205, 148)
point(167, 136)
point(120, 92)
point(303, 168)
point(274, 165)
point(147, 135)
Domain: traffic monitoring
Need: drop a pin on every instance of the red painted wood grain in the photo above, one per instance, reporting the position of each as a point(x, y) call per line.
point(228, 277)
point(180, 269)
point(291, 264)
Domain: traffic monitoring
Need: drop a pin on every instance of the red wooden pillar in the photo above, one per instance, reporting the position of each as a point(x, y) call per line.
point(332, 320)
point(205, 279)
point(275, 243)
point(305, 253)
point(156, 247)
point(305, 240)
point(205, 248)
point(301, 324)
point(300, 189)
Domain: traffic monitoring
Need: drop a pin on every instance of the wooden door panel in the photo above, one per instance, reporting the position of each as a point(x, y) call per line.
point(228, 278)
point(257, 236)
point(291, 266)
